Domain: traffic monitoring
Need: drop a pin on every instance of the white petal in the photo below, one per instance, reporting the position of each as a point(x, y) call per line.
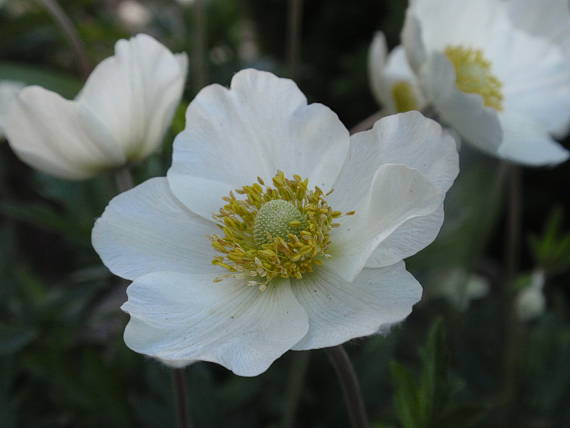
point(408, 139)
point(397, 194)
point(411, 237)
point(412, 39)
point(551, 22)
point(135, 93)
point(58, 137)
point(526, 142)
point(261, 125)
point(147, 229)
point(340, 310)
point(8, 92)
point(179, 317)
point(466, 113)
point(376, 69)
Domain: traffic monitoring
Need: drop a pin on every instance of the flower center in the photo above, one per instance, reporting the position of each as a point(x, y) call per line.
point(474, 76)
point(279, 231)
point(404, 97)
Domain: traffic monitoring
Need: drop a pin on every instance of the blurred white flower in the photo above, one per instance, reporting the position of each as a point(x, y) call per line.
point(8, 91)
point(530, 302)
point(243, 252)
point(133, 14)
point(459, 287)
point(392, 80)
point(492, 75)
point(120, 116)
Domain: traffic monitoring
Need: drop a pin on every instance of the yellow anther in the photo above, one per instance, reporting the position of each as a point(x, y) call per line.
point(473, 75)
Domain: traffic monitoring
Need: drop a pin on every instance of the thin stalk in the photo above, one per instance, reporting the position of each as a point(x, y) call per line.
point(294, 36)
point(512, 329)
point(124, 179)
point(181, 398)
point(367, 123)
point(200, 78)
point(70, 32)
point(299, 365)
point(350, 388)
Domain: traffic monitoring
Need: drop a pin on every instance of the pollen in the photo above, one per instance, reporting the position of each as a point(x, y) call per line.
point(404, 97)
point(474, 76)
point(278, 231)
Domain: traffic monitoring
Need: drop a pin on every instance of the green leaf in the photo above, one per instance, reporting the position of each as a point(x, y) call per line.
point(13, 339)
point(65, 85)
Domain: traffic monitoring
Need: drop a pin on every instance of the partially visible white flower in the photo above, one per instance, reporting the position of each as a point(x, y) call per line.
point(530, 302)
point(459, 287)
point(8, 91)
point(133, 14)
point(392, 80)
point(120, 116)
point(244, 251)
point(495, 79)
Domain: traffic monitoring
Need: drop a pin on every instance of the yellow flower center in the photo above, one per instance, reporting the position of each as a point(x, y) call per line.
point(474, 76)
point(404, 97)
point(279, 231)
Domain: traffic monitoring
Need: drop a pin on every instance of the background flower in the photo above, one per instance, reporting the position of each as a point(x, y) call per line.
point(503, 89)
point(8, 91)
point(119, 117)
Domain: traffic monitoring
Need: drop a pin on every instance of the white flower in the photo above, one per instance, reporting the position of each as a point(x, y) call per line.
point(392, 80)
point(459, 287)
point(290, 266)
point(8, 91)
point(120, 115)
point(502, 88)
point(530, 302)
point(133, 14)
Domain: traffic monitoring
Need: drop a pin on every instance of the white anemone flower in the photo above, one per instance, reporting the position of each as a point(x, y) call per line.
point(530, 302)
point(392, 81)
point(495, 78)
point(8, 91)
point(274, 229)
point(119, 117)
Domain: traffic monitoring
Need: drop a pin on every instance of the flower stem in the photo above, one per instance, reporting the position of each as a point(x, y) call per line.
point(294, 36)
point(350, 388)
point(299, 365)
point(200, 78)
point(181, 397)
point(124, 179)
point(66, 25)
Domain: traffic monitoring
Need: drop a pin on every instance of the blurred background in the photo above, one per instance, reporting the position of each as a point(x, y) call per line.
point(475, 352)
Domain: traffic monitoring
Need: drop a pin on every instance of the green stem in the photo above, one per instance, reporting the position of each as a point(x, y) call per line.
point(67, 27)
point(199, 60)
point(350, 388)
point(294, 36)
point(181, 398)
point(299, 365)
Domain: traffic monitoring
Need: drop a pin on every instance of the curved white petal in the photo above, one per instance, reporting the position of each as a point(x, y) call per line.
point(466, 113)
point(526, 142)
point(260, 125)
point(408, 139)
point(147, 229)
point(412, 236)
point(58, 137)
point(339, 310)
point(413, 41)
point(135, 93)
point(9, 90)
point(397, 194)
point(177, 316)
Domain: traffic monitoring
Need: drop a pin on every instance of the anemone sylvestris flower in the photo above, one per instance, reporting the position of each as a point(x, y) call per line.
point(275, 229)
point(120, 116)
point(492, 74)
point(392, 80)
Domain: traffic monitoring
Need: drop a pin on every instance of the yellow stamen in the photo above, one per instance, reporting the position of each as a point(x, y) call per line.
point(278, 231)
point(404, 97)
point(474, 76)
